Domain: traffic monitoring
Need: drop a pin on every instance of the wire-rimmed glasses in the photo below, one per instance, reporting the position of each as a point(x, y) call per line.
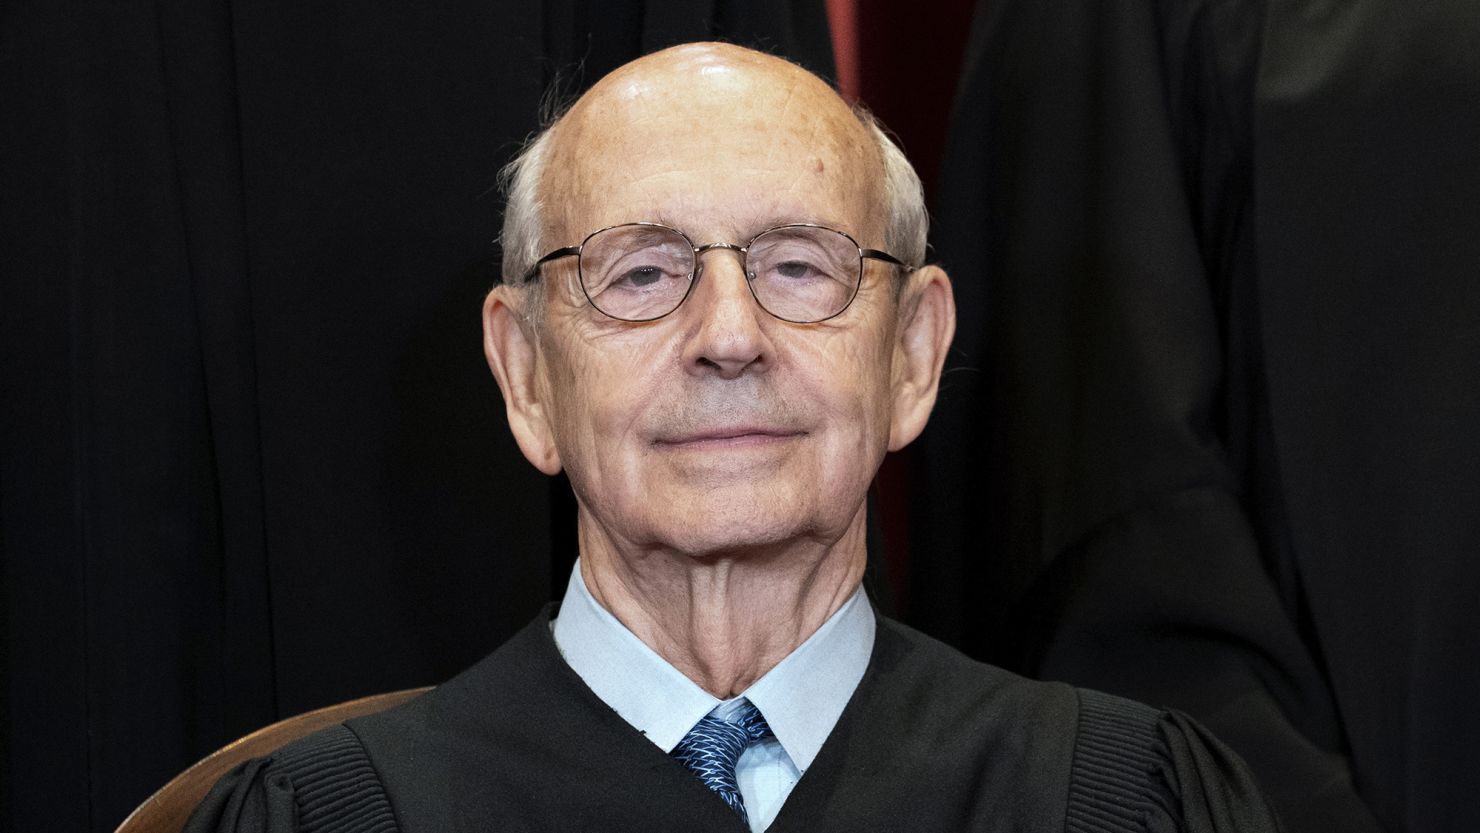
point(801, 273)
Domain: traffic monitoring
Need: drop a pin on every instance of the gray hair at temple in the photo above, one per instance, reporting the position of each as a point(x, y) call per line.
point(906, 229)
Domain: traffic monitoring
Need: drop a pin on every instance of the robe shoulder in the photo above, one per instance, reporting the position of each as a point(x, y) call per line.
point(323, 783)
point(1178, 778)
point(1087, 760)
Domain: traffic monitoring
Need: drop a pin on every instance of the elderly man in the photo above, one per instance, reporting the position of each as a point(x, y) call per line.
point(715, 320)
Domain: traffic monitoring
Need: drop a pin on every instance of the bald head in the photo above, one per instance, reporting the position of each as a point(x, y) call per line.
point(713, 78)
point(679, 114)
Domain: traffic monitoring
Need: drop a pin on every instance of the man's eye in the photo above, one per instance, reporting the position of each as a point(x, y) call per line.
point(795, 269)
point(642, 276)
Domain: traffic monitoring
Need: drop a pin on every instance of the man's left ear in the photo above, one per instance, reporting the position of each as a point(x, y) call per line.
point(927, 323)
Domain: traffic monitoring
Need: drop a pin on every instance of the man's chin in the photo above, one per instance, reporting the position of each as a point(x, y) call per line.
point(736, 533)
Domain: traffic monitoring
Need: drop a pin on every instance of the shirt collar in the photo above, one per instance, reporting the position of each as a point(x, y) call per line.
point(802, 697)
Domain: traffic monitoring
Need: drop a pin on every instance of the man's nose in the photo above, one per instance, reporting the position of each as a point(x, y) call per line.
point(728, 337)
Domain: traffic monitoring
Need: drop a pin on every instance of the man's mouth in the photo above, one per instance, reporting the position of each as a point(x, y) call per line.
point(737, 436)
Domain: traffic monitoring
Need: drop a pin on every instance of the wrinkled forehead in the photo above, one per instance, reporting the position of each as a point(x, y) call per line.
point(715, 141)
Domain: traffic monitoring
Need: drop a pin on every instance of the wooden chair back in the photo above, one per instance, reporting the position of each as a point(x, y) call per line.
point(168, 809)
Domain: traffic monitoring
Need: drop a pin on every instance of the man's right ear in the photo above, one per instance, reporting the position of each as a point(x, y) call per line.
point(509, 345)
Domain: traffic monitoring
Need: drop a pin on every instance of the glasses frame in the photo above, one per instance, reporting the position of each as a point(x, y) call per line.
point(568, 251)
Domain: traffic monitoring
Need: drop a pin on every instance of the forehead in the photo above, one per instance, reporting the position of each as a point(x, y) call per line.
point(714, 146)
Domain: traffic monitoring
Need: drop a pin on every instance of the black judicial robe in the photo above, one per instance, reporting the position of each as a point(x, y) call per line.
point(930, 741)
point(1216, 268)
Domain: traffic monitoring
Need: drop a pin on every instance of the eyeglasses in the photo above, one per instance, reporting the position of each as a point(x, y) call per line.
point(637, 272)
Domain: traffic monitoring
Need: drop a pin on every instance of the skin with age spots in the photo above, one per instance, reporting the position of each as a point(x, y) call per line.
point(720, 457)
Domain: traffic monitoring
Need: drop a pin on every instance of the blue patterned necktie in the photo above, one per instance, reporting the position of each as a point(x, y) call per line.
point(711, 749)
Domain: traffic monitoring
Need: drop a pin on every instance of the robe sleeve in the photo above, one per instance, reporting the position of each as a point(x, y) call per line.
point(1216, 793)
point(1138, 768)
point(246, 800)
point(324, 783)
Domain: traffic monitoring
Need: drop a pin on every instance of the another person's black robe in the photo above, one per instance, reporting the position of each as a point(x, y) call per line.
point(1218, 268)
point(930, 741)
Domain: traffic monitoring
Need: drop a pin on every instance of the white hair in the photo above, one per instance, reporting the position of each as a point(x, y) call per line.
point(521, 238)
point(907, 222)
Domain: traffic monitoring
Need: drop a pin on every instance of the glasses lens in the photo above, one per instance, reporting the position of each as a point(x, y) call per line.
point(804, 274)
point(636, 272)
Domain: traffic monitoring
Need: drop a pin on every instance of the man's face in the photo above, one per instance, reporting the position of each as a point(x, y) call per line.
point(718, 427)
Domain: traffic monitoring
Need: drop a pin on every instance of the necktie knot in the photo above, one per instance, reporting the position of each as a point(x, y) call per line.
point(712, 748)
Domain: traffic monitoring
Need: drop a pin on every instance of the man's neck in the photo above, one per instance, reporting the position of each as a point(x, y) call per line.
point(724, 621)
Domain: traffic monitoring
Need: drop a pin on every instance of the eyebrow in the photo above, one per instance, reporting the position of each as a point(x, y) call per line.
point(747, 232)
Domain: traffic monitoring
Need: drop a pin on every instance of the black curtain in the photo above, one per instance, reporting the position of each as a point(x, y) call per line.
point(251, 459)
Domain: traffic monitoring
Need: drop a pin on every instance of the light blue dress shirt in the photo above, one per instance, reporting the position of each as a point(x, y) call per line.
point(801, 698)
